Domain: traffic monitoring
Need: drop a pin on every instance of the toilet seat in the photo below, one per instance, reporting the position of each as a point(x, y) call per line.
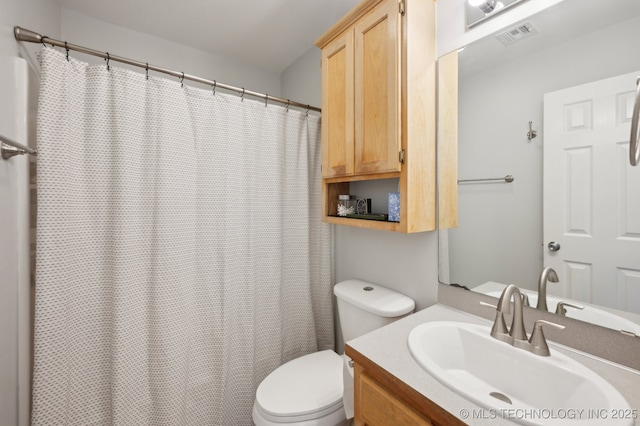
point(306, 388)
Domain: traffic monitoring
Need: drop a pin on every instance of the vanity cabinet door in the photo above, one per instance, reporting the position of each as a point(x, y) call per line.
point(375, 405)
point(381, 399)
point(337, 107)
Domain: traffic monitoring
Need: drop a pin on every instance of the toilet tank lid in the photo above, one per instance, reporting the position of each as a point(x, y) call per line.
point(374, 298)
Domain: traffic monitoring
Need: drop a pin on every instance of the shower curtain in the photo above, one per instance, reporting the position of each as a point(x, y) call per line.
point(180, 251)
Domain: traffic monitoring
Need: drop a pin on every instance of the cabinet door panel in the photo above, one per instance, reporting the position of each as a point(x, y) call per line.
point(337, 105)
point(377, 90)
point(378, 407)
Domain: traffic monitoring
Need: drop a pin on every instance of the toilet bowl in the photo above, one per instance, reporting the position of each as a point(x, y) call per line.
point(317, 389)
point(307, 391)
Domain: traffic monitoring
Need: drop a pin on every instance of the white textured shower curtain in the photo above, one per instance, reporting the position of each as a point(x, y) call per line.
point(180, 251)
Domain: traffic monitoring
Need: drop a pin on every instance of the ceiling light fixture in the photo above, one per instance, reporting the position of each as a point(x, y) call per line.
point(487, 6)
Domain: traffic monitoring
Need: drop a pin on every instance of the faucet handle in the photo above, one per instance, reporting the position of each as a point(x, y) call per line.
point(525, 299)
point(499, 329)
point(538, 343)
point(560, 309)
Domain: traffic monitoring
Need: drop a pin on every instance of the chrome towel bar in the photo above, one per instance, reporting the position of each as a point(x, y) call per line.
point(506, 179)
point(9, 148)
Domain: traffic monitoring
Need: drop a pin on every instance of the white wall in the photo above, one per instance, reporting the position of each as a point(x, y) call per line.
point(86, 31)
point(500, 232)
point(14, 259)
point(43, 15)
point(301, 81)
point(40, 15)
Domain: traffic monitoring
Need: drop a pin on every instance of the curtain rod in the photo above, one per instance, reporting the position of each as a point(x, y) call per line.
point(22, 34)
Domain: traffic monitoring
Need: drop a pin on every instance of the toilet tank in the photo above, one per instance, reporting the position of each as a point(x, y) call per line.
point(364, 307)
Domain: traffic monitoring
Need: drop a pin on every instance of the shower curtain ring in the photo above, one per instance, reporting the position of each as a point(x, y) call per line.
point(42, 40)
point(308, 108)
point(242, 96)
point(288, 104)
point(215, 83)
point(266, 100)
point(146, 68)
point(181, 80)
point(108, 59)
point(66, 47)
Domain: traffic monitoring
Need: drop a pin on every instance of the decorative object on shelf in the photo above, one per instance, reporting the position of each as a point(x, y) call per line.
point(394, 207)
point(346, 204)
point(363, 206)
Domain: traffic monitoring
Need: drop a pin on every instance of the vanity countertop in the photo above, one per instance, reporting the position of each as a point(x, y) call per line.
point(388, 348)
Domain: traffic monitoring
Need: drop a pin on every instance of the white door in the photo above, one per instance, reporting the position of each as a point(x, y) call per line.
point(592, 194)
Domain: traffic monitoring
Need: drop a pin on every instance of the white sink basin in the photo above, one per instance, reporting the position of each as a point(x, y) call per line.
point(588, 314)
point(511, 382)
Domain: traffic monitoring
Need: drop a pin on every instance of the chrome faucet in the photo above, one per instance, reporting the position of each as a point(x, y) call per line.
point(517, 335)
point(548, 274)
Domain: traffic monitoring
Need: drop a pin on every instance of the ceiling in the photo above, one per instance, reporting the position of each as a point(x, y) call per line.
point(267, 34)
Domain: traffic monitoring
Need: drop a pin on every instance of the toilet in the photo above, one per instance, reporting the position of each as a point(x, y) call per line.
point(317, 389)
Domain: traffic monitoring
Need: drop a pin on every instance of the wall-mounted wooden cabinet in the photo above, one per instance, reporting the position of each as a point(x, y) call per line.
point(337, 109)
point(378, 108)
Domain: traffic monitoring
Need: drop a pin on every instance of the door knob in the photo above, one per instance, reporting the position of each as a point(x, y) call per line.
point(553, 246)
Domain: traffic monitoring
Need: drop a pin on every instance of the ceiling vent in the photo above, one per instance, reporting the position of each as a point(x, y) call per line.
point(517, 33)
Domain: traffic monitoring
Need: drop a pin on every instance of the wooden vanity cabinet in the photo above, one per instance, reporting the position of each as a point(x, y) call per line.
point(381, 399)
point(378, 108)
point(376, 405)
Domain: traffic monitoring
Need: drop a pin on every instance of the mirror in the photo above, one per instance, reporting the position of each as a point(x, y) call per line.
point(481, 10)
point(544, 71)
